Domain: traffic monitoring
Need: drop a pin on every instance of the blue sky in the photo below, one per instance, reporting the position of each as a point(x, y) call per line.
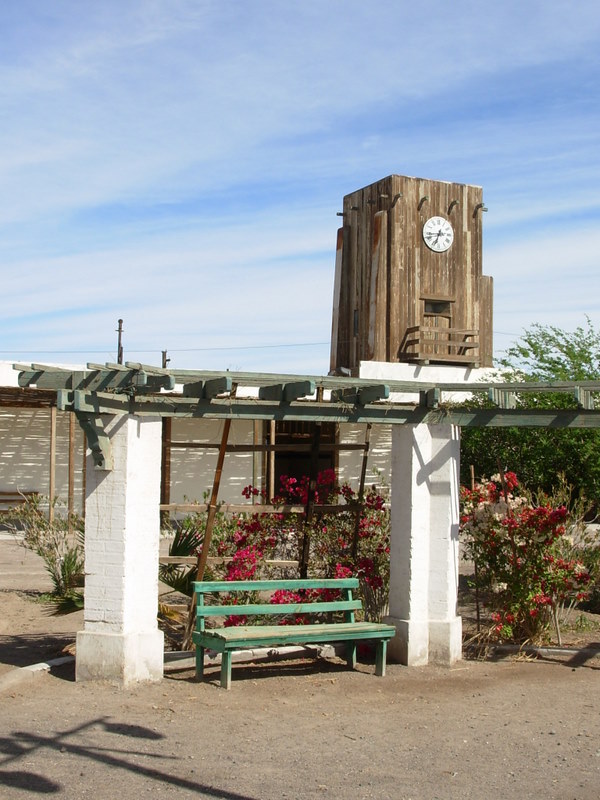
point(179, 164)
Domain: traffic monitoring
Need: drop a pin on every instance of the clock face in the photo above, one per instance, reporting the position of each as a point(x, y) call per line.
point(438, 234)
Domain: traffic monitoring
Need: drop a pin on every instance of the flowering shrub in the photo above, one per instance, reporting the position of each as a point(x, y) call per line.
point(339, 546)
point(284, 596)
point(520, 551)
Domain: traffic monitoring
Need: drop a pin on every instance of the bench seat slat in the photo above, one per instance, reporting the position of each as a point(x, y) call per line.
point(277, 608)
point(233, 638)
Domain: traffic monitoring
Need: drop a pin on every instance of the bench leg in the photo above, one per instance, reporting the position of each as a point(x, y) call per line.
point(199, 661)
point(351, 654)
point(380, 657)
point(226, 670)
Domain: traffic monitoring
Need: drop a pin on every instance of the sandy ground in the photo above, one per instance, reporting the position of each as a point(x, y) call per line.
point(290, 729)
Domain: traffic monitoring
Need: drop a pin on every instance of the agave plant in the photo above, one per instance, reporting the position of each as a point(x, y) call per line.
point(187, 541)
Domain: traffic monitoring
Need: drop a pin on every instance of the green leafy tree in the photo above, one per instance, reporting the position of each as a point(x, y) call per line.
point(544, 353)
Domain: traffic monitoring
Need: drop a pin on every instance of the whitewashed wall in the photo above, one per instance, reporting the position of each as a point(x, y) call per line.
point(25, 456)
point(25, 453)
point(193, 470)
point(379, 462)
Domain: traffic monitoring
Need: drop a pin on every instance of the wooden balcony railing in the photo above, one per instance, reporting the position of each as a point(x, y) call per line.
point(423, 343)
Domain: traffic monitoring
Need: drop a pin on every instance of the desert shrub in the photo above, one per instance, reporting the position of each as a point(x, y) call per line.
point(59, 542)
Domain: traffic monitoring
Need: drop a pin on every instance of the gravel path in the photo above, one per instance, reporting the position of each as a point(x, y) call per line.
point(304, 730)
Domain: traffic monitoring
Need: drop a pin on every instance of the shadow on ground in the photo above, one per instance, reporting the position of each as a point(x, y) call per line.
point(111, 747)
point(32, 648)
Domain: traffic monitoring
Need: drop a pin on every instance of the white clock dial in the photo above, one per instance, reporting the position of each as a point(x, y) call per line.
point(438, 234)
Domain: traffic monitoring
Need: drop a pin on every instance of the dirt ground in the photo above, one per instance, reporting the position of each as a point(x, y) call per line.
point(292, 729)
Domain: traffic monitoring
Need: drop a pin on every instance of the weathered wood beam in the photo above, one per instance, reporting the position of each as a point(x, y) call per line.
point(217, 386)
point(502, 398)
point(287, 392)
point(27, 375)
point(259, 379)
point(522, 418)
point(20, 397)
point(149, 369)
point(71, 473)
point(327, 447)
point(258, 508)
point(195, 389)
point(267, 379)
point(111, 365)
point(101, 403)
point(117, 376)
point(128, 389)
point(154, 383)
point(372, 394)
point(584, 398)
point(363, 395)
point(376, 413)
point(348, 396)
point(130, 376)
point(430, 398)
point(53, 368)
point(97, 439)
point(53, 379)
point(52, 466)
point(98, 380)
point(208, 389)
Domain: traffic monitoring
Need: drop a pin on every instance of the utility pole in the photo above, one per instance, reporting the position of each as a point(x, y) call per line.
point(165, 462)
point(120, 343)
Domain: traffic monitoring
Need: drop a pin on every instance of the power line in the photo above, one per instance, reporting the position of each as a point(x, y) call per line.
point(171, 349)
point(246, 347)
point(192, 349)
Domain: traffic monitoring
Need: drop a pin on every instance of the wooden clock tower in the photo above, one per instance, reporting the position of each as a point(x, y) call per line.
point(408, 279)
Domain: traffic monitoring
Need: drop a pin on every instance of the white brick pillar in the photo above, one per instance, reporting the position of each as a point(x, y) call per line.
point(424, 544)
point(121, 640)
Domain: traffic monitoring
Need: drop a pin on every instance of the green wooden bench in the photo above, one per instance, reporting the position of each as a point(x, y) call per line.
point(226, 640)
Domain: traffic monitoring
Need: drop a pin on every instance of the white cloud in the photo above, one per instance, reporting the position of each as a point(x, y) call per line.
point(180, 164)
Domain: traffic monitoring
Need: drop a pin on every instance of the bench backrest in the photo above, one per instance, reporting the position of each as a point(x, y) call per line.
point(345, 604)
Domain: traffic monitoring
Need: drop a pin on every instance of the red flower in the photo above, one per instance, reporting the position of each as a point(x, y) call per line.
point(342, 572)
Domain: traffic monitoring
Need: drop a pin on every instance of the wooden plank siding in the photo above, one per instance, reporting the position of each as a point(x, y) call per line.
point(387, 273)
point(336, 333)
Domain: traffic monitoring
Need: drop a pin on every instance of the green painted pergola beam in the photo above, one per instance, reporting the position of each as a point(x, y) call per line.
point(311, 411)
point(134, 389)
point(117, 373)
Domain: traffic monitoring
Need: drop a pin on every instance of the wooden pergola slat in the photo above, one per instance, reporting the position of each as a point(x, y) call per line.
point(144, 390)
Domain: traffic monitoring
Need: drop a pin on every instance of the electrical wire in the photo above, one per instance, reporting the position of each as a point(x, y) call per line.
point(171, 350)
point(193, 349)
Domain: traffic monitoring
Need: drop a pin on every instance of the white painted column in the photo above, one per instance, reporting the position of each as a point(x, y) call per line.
point(445, 627)
point(121, 640)
point(424, 544)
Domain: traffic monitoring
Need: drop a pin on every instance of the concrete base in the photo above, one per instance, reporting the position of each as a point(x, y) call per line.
point(124, 658)
point(410, 645)
point(445, 641)
point(425, 642)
